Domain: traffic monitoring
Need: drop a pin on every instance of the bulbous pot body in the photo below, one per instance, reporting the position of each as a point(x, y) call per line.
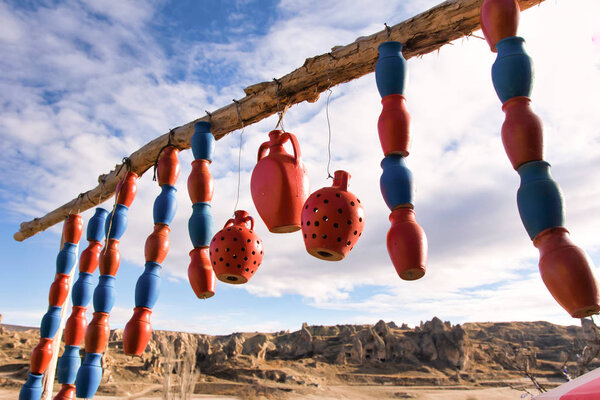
point(407, 244)
point(67, 392)
point(567, 273)
point(168, 168)
point(116, 222)
point(393, 126)
point(59, 290)
point(95, 228)
point(390, 70)
point(105, 294)
point(522, 132)
point(396, 182)
point(279, 183)
point(73, 228)
point(203, 141)
point(68, 365)
point(332, 220)
point(137, 332)
point(32, 388)
point(90, 257)
point(236, 251)
point(83, 289)
point(110, 258)
point(201, 274)
point(50, 322)
point(201, 225)
point(89, 376)
point(147, 287)
point(41, 356)
point(127, 189)
point(75, 327)
point(66, 258)
point(200, 182)
point(165, 205)
point(512, 72)
point(96, 336)
point(157, 244)
point(499, 20)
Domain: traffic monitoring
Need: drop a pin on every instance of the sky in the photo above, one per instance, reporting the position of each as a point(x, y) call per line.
point(84, 83)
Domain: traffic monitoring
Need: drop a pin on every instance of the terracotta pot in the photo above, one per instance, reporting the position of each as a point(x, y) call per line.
point(499, 20)
point(522, 132)
point(201, 274)
point(279, 183)
point(95, 228)
point(407, 244)
point(72, 228)
point(127, 189)
point(41, 356)
point(168, 167)
point(157, 244)
point(567, 273)
point(110, 258)
point(332, 220)
point(236, 252)
point(68, 364)
point(137, 332)
point(67, 392)
point(390, 70)
point(90, 257)
point(200, 182)
point(76, 326)
point(394, 126)
point(96, 336)
point(59, 290)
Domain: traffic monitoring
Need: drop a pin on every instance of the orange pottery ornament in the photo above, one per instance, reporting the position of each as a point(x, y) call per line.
point(236, 252)
point(200, 273)
point(332, 220)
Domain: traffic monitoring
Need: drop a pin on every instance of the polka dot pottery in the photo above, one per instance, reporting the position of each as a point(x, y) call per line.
point(332, 220)
point(236, 252)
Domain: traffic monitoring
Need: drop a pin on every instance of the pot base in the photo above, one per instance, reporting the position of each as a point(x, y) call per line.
point(586, 311)
point(232, 279)
point(325, 254)
point(285, 229)
point(205, 295)
point(412, 274)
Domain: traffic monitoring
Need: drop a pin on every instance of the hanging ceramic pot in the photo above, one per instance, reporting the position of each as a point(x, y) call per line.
point(110, 258)
point(137, 332)
point(407, 244)
point(393, 126)
point(522, 132)
point(200, 182)
point(332, 220)
point(168, 168)
point(236, 252)
point(127, 189)
point(59, 290)
point(279, 183)
point(96, 336)
point(89, 376)
point(68, 364)
point(512, 72)
point(50, 322)
point(499, 20)
point(66, 258)
point(567, 273)
point(32, 388)
point(201, 274)
point(82, 288)
point(90, 257)
point(67, 392)
point(157, 244)
point(75, 326)
point(203, 141)
point(390, 70)
point(41, 356)
point(73, 228)
point(165, 205)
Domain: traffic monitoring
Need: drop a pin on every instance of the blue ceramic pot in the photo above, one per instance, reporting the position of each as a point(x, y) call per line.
point(118, 224)
point(67, 256)
point(203, 142)
point(512, 72)
point(396, 181)
point(82, 289)
point(32, 388)
point(89, 376)
point(147, 288)
point(68, 365)
point(390, 70)
point(50, 322)
point(105, 294)
point(201, 225)
point(165, 205)
point(95, 228)
point(539, 198)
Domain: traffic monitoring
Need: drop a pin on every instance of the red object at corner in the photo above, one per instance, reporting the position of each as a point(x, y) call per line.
point(407, 245)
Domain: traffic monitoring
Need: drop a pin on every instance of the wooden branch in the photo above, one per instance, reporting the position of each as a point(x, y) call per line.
point(420, 35)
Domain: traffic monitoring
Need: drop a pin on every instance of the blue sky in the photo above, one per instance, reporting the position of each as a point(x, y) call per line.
point(85, 83)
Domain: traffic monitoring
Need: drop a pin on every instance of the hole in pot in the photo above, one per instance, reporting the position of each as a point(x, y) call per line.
point(352, 203)
point(325, 218)
point(307, 223)
point(339, 239)
point(232, 278)
point(325, 254)
point(315, 209)
point(316, 223)
point(360, 219)
point(340, 210)
point(314, 235)
point(324, 236)
point(325, 201)
point(336, 225)
point(338, 195)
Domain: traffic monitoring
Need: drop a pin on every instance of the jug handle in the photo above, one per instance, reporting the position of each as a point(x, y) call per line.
point(295, 146)
point(262, 151)
point(249, 218)
point(228, 223)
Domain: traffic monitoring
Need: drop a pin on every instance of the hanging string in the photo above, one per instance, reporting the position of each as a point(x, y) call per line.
point(75, 203)
point(237, 200)
point(328, 121)
point(169, 144)
point(127, 162)
point(280, 112)
point(388, 30)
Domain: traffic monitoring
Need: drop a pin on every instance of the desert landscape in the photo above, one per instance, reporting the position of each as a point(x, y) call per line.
point(436, 360)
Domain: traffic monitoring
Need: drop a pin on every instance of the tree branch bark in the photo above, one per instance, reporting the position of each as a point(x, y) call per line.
point(420, 35)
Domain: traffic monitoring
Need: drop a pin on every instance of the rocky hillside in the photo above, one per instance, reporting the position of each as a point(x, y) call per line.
point(314, 358)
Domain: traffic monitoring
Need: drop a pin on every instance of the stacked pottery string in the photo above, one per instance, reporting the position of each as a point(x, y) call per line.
point(406, 240)
point(59, 290)
point(96, 336)
point(565, 268)
point(200, 186)
point(69, 362)
point(138, 330)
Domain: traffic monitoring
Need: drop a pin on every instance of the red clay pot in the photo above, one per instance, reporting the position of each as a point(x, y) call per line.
point(200, 182)
point(201, 273)
point(499, 20)
point(72, 228)
point(67, 392)
point(157, 244)
point(96, 336)
point(59, 290)
point(522, 132)
point(407, 244)
point(127, 189)
point(168, 167)
point(394, 125)
point(75, 326)
point(110, 258)
point(236, 252)
point(566, 272)
point(137, 332)
point(41, 356)
point(332, 220)
point(90, 257)
point(279, 183)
